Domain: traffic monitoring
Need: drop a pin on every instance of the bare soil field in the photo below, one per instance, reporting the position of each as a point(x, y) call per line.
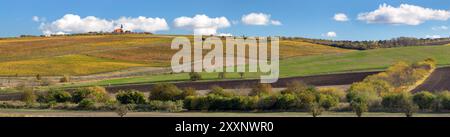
point(439, 80)
point(318, 80)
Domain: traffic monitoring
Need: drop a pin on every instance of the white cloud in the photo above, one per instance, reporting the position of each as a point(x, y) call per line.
point(276, 22)
point(433, 36)
point(225, 34)
point(71, 23)
point(202, 24)
point(404, 14)
point(259, 19)
point(437, 28)
point(36, 18)
point(143, 24)
point(330, 34)
point(340, 17)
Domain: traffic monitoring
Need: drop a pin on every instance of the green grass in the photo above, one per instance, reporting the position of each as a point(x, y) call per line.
point(367, 60)
point(362, 60)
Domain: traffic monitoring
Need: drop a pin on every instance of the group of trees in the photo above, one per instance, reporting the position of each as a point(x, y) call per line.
point(385, 91)
point(298, 96)
point(390, 89)
point(84, 97)
point(363, 45)
point(160, 92)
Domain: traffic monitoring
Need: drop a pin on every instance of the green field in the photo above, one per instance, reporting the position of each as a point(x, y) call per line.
point(368, 60)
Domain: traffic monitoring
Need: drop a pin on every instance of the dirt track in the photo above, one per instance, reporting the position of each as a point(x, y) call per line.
point(439, 80)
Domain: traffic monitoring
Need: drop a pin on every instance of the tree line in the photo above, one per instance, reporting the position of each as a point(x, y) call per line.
point(374, 44)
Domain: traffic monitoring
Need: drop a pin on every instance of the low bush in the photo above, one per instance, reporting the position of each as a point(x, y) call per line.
point(130, 97)
point(64, 79)
point(194, 76)
point(339, 93)
point(397, 101)
point(29, 96)
point(86, 104)
point(216, 90)
point(261, 89)
point(170, 106)
point(165, 92)
point(295, 87)
point(328, 101)
point(286, 101)
point(424, 100)
point(444, 99)
point(188, 92)
point(55, 95)
point(96, 94)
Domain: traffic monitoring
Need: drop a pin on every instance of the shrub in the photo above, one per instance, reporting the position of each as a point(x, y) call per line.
point(339, 93)
point(29, 96)
point(359, 108)
point(267, 102)
point(306, 98)
point(295, 87)
point(366, 91)
point(214, 102)
point(64, 79)
point(188, 92)
point(397, 101)
point(55, 95)
point(359, 104)
point(409, 108)
point(170, 106)
point(315, 109)
point(86, 104)
point(165, 92)
point(285, 101)
point(327, 101)
point(444, 99)
point(59, 96)
point(216, 90)
point(97, 94)
point(424, 99)
point(241, 74)
point(121, 110)
point(130, 97)
point(261, 89)
point(194, 76)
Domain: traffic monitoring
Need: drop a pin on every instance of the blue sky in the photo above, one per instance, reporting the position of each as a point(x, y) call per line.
point(306, 18)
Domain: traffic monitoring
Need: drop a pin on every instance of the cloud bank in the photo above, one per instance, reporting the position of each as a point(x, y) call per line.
point(258, 19)
point(71, 23)
point(202, 24)
point(404, 14)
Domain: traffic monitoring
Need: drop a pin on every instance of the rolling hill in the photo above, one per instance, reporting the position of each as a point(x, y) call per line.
point(367, 60)
point(89, 54)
